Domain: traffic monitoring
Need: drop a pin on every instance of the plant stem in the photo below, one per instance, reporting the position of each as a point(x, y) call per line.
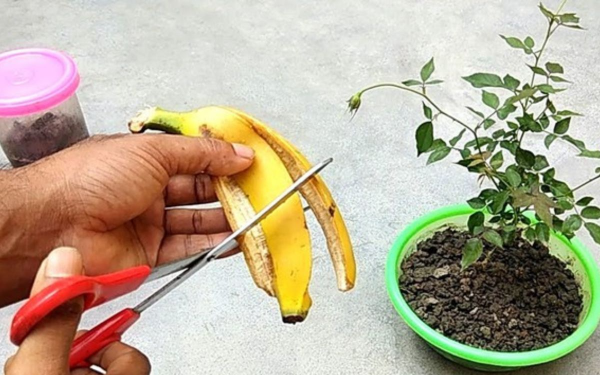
point(562, 4)
point(423, 96)
point(587, 182)
point(538, 57)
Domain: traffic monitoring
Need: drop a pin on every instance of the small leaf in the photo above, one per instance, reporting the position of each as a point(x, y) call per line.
point(476, 203)
point(481, 80)
point(544, 121)
point(529, 42)
point(526, 93)
point(568, 18)
point(568, 113)
point(427, 70)
point(543, 232)
point(540, 163)
point(597, 170)
point(513, 177)
point(498, 202)
point(514, 42)
point(547, 89)
point(471, 252)
point(594, 230)
point(549, 139)
point(475, 220)
point(505, 111)
point(498, 133)
point(574, 27)
point(488, 123)
point(497, 160)
point(434, 82)
point(590, 154)
point(591, 212)
point(512, 125)
point(546, 12)
point(465, 153)
point(559, 79)
point(427, 111)
point(538, 70)
point(577, 143)
point(438, 155)
point(490, 99)
point(510, 146)
point(437, 144)
point(424, 137)
point(565, 204)
point(476, 112)
point(525, 158)
point(456, 139)
point(584, 201)
point(511, 82)
point(554, 68)
point(412, 82)
point(493, 237)
point(562, 126)
point(572, 224)
point(530, 235)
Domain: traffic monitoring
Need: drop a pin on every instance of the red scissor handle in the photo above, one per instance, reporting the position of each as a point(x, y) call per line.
point(100, 336)
point(95, 290)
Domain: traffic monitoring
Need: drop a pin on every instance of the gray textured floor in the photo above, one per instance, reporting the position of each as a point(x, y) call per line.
point(293, 64)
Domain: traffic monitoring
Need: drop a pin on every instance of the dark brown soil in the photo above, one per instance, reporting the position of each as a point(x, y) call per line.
point(522, 299)
point(26, 143)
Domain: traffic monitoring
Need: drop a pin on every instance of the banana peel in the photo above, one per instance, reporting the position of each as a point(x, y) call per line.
point(278, 250)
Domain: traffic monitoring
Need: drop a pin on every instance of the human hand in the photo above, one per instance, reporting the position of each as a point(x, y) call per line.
point(46, 349)
point(107, 196)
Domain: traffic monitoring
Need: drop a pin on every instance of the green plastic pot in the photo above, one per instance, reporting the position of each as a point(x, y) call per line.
point(573, 253)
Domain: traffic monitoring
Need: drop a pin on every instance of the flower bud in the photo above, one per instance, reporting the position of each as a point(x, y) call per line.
point(354, 102)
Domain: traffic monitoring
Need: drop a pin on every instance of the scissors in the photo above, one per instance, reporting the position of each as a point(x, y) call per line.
point(100, 289)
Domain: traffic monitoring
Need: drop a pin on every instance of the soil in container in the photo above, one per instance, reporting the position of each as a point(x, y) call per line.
point(50, 133)
point(518, 298)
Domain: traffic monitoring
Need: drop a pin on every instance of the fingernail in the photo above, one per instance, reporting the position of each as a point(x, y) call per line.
point(62, 262)
point(243, 151)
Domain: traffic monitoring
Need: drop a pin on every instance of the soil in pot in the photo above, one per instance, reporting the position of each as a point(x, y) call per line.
point(521, 298)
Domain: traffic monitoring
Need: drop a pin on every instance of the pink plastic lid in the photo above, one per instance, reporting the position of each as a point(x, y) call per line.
point(33, 80)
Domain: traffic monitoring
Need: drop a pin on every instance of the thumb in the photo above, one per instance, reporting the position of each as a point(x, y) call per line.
point(47, 346)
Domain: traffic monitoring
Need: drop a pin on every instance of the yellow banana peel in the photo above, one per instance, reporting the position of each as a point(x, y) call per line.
point(278, 250)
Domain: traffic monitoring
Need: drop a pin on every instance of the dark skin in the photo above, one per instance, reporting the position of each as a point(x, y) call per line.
point(107, 197)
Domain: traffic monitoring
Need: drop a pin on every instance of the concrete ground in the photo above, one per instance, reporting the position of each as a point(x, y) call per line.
point(294, 64)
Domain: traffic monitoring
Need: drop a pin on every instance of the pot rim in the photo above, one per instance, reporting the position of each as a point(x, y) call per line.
point(484, 356)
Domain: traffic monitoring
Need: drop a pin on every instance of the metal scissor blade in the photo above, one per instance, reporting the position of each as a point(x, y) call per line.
point(228, 244)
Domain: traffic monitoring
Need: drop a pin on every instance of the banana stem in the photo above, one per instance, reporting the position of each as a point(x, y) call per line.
point(156, 119)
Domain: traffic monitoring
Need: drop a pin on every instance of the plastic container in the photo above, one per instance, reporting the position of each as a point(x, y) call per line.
point(39, 110)
point(574, 254)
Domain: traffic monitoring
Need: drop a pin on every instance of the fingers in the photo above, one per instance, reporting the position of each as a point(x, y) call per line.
point(46, 348)
point(184, 190)
point(186, 221)
point(118, 359)
point(179, 246)
point(181, 155)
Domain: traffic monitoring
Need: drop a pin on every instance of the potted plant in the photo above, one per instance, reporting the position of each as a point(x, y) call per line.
point(501, 282)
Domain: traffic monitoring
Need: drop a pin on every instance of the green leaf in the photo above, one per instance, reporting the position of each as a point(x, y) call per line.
point(482, 142)
point(524, 94)
point(559, 79)
point(476, 112)
point(465, 153)
point(562, 126)
point(591, 212)
point(476, 203)
point(437, 144)
point(497, 160)
point(498, 133)
point(505, 111)
point(529, 42)
point(544, 121)
point(590, 154)
point(547, 89)
point(511, 82)
point(572, 224)
point(538, 70)
point(543, 232)
point(514, 42)
point(598, 170)
point(424, 137)
point(493, 237)
point(481, 80)
point(412, 82)
point(438, 155)
point(577, 143)
point(475, 220)
point(471, 252)
point(530, 235)
point(427, 70)
point(498, 202)
point(565, 204)
point(488, 123)
point(456, 139)
point(584, 201)
point(554, 68)
point(525, 158)
point(434, 82)
point(568, 18)
point(540, 163)
point(568, 113)
point(427, 111)
point(549, 139)
point(546, 12)
point(594, 230)
point(512, 125)
point(490, 99)
point(574, 27)
point(510, 146)
point(513, 177)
